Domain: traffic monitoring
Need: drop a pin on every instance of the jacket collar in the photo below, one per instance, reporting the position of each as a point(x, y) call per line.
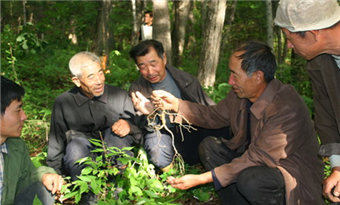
point(81, 98)
point(265, 99)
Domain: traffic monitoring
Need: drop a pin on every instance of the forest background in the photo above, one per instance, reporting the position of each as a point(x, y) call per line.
point(39, 37)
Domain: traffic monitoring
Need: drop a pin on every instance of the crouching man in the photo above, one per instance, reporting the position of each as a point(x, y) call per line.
point(20, 180)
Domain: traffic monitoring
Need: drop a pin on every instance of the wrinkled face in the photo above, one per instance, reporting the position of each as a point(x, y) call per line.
point(12, 121)
point(92, 80)
point(151, 66)
point(147, 19)
point(243, 86)
point(307, 46)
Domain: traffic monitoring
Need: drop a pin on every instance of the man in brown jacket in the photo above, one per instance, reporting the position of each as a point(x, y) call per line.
point(272, 158)
point(312, 29)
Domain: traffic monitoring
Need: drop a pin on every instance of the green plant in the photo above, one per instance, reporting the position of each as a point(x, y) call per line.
point(137, 183)
point(218, 93)
point(121, 70)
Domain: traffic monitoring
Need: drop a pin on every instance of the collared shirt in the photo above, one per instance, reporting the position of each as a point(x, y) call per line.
point(3, 150)
point(337, 60)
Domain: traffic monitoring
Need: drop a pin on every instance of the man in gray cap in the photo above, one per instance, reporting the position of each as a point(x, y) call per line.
point(312, 30)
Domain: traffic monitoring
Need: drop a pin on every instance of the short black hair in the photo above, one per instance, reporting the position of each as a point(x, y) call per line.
point(257, 56)
point(143, 47)
point(10, 91)
point(148, 12)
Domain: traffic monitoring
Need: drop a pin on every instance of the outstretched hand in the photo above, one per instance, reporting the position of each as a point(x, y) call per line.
point(165, 100)
point(190, 180)
point(142, 104)
point(331, 186)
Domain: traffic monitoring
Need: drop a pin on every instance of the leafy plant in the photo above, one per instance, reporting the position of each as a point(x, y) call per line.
point(218, 93)
point(137, 183)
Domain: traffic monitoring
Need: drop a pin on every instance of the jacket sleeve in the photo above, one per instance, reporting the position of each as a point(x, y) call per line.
point(326, 88)
point(133, 119)
point(214, 117)
point(28, 172)
point(57, 139)
point(285, 131)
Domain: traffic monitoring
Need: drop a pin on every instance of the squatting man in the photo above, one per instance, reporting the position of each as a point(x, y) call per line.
point(273, 141)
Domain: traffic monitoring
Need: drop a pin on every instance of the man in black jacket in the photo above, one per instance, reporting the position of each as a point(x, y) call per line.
point(91, 109)
point(151, 61)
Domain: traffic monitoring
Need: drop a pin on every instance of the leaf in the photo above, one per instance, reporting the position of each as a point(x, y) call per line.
point(94, 187)
point(24, 45)
point(127, 148)
point(69, 195)
point(20, 38)
point(80, 161)
point(104, 203)
point(98, 144)
point(123, 160)
point(201, 195)
point(151, 194)
point(86, 178)
point(136, 190)
point(155, 184)
point(86, 170)
point(83, 188)
point(37, 201)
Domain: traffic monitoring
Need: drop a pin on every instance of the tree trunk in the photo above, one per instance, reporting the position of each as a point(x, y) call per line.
point(24, 12)
point(270, 23)
point(191, 43)
point(211, 42)
point(227, 27)
point(100, 44)
point(137, 20)
point(161, 26)
point(179, 30)
point(204, 11)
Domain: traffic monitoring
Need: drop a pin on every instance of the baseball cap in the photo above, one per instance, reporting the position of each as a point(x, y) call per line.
point(306, 15)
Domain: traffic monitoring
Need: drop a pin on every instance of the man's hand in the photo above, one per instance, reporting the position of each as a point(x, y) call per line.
point(165, 100)
point(331, 186)
point(121, 128)
point(190, 180)
point(141, 103)
point(52, 182)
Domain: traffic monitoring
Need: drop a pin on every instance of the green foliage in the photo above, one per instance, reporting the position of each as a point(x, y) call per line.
point(218, 93)
point(295, 74)
point(138, 183)
point(122, 70)
point(36, 201)
point(39, 159)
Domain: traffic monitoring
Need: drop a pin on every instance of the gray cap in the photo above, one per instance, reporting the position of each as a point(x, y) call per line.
point(307, 15)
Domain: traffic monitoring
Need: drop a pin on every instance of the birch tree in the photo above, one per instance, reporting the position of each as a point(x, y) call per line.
point(211, 42)
point(270, 23)
point(137, 20)
point(100, 42)
point(161, 26)
point(179, 30)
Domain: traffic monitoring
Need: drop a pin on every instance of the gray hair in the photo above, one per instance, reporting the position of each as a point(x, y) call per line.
point(81, 60)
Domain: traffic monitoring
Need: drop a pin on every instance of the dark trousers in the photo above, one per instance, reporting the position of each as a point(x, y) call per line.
point(257, 185)
point(79, 147)
point(26, 196)
point(159, 145)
